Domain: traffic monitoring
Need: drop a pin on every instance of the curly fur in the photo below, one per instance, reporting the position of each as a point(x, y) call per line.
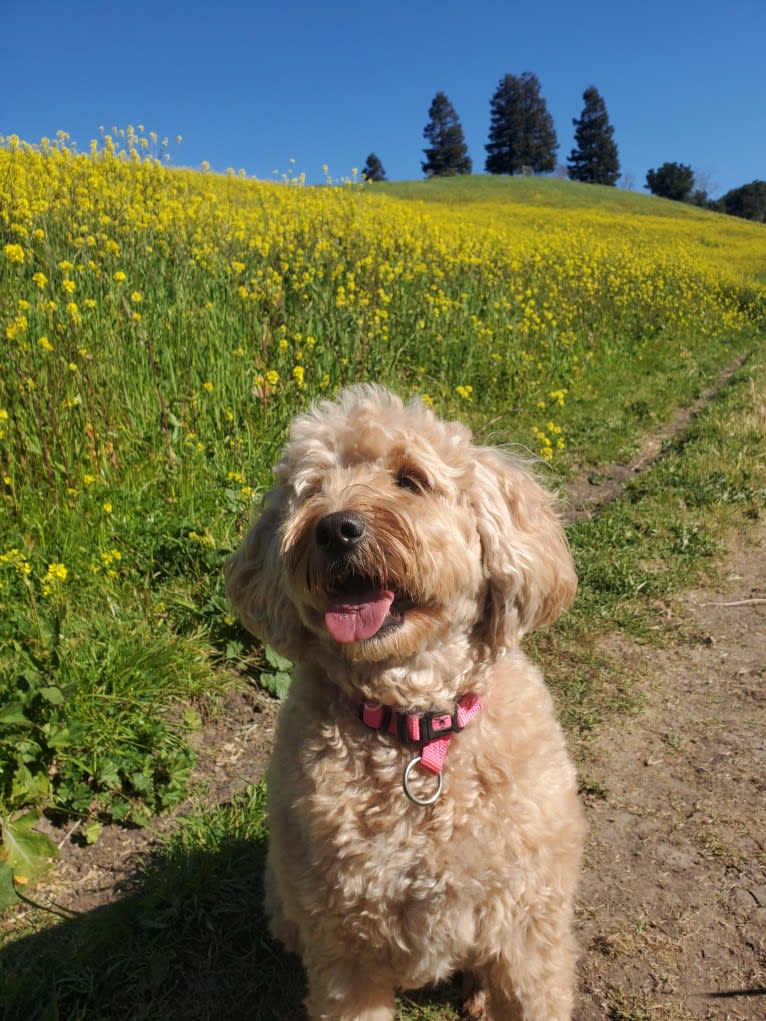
point(377, 893)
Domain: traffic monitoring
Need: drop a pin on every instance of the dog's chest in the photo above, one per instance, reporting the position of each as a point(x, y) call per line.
point(397, 877)
point(378, 850)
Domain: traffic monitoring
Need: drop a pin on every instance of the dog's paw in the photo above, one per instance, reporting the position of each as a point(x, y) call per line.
point(474, 1000)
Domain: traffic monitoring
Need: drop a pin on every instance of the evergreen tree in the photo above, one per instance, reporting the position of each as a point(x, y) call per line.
point(373, 169)
point(594, 158)
point(521, 132)
point(447, 154)
point(671, 181)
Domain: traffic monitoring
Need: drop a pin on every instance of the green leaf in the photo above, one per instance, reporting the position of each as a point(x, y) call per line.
point(109, 774)
point(53, 695)
point(142, 782)
point(8, 895)
point(140, 817)
point(277, 684)
point(234, 649)
point(119, 810)
point(32, 676)
point(58, 736)
point(274, 659)
point(28, 786)
point(26, 851)
point(91, 831)
point(192, 720)
point(13, 714)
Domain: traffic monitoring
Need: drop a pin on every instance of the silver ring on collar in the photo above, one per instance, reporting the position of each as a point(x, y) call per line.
point(406, 784)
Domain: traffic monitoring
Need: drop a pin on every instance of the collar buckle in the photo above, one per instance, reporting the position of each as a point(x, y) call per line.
point(413, 728)
point(436, 725)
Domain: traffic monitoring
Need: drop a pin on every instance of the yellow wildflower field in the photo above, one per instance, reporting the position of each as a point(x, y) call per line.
point(128, 279)
point(158, 329)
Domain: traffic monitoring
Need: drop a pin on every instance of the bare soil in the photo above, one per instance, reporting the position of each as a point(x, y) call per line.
point(672, 909)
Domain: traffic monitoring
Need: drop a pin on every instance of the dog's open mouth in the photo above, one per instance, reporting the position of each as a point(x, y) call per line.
point(360, 611)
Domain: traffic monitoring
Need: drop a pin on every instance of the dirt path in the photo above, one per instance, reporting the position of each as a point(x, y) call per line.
point(673, 901)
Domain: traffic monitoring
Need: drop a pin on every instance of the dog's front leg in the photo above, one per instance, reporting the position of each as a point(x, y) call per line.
point(279, 926)
point(347, 991)
point(537, 987)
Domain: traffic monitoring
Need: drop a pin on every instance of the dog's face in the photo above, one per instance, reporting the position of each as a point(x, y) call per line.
point(379, 546)
point(389, 534)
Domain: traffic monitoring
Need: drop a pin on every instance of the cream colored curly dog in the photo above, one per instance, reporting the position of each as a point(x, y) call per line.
point(423, 810)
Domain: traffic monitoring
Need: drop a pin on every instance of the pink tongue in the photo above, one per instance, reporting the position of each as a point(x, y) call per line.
point(353, 618)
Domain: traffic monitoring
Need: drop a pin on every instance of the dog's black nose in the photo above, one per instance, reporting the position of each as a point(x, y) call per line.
point(339, 532)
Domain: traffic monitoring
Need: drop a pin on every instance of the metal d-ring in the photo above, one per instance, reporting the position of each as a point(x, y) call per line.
point(406, 784)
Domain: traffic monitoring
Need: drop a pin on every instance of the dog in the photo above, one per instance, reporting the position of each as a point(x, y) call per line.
point(424, 816)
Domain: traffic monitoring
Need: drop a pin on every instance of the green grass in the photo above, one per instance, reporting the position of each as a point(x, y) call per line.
point(560, 195)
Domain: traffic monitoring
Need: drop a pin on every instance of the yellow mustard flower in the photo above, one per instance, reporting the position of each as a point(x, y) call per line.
point(57, 572)
point(14, 253)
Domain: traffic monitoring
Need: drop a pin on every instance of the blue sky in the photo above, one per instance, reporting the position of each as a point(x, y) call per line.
point(257, 85)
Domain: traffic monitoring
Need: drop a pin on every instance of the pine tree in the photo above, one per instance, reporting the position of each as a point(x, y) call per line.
point(542, 144)
point(447, 154)
point(521, 132)
point(373, 169)
point(594, 158)
point(506, 130)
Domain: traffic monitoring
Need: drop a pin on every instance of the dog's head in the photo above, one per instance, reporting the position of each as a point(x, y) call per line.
point(390, 533)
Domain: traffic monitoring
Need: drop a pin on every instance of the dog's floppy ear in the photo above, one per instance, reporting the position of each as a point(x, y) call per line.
point(255, 583)
point(524, 549)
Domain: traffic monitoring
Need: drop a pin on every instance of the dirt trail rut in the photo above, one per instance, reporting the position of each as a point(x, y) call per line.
point(673, 900)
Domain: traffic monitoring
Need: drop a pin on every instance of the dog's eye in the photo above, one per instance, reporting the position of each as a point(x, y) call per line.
point(412, 480)
point(307, 489)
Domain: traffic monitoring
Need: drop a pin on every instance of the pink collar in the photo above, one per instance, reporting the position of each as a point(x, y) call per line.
point(432, 731)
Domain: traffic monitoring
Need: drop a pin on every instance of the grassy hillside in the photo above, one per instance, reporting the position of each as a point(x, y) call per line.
point(160, 328)
point(553, 204)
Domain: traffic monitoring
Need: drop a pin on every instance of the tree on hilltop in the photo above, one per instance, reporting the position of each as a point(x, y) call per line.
point(521, 132)
point(671, 181)
point(373, 169)
point(447, 154)
point(748, 201)
point(594, 159)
